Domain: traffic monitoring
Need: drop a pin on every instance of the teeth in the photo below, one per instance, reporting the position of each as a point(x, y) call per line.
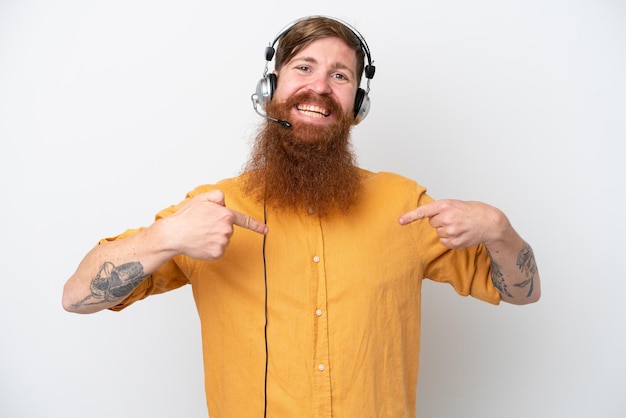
point(313, 111)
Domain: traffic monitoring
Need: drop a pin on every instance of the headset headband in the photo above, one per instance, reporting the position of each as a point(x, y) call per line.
point(368, 70)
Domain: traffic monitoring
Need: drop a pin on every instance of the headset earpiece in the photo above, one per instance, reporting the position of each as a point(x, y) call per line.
point(265, 89)
point(361, 105)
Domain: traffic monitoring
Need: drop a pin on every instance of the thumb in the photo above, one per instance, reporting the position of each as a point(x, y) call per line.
point(214, 196)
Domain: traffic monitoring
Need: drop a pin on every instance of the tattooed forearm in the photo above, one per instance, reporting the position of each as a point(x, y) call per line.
point(497, 278)
point(528, 266)
point(113, 283)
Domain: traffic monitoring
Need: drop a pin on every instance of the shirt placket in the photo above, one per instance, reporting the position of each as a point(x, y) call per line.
point(321, 356)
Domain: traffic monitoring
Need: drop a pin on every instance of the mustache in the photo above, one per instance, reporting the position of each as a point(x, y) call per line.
point(320, 99)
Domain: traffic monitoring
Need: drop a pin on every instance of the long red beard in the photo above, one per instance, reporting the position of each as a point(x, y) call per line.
point(306, 166)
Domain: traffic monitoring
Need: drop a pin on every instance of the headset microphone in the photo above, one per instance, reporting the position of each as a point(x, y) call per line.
point(255, 101)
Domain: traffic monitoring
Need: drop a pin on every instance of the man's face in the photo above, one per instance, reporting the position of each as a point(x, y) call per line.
point(326, 67)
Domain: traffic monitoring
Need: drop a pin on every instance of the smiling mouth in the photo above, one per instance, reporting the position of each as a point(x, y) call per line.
point(313, 111)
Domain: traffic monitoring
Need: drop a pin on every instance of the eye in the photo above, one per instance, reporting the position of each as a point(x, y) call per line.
point(303, 68)
point(340, 77)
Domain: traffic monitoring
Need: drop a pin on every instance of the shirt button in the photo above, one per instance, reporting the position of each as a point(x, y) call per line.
point(316, 259)
point(318, 312)
point(321, 367)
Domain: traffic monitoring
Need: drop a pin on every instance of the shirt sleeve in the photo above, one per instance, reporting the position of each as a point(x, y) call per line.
point(171, 275)
point(467, 270)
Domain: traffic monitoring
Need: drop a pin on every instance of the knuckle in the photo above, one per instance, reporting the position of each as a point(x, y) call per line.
point(229, 218)
point(250, 223)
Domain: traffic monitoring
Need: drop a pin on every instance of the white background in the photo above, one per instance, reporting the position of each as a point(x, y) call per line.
point(113, 110)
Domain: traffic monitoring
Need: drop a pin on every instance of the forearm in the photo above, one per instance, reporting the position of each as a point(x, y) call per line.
point(111, 271)
point(514, 269)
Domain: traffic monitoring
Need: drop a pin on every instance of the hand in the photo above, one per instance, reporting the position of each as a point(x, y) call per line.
point(460, 224)
point(203, 227)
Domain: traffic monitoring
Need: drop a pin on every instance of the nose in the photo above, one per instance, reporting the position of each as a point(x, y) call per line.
point(321, 84)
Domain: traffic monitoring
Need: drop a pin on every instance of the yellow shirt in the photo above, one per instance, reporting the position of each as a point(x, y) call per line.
point(343, 305)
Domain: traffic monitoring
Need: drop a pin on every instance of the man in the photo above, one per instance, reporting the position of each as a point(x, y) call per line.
point(306, 270)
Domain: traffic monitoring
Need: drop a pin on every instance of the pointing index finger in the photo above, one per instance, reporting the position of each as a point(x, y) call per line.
point(248, 222)
point(425, 211)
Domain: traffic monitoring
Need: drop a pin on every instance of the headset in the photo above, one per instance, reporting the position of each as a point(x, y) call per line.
point(267, 85)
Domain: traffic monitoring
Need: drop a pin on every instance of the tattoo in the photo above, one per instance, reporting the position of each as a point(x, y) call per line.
point(113, 283)
point(497, 278)
point(528, 266)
